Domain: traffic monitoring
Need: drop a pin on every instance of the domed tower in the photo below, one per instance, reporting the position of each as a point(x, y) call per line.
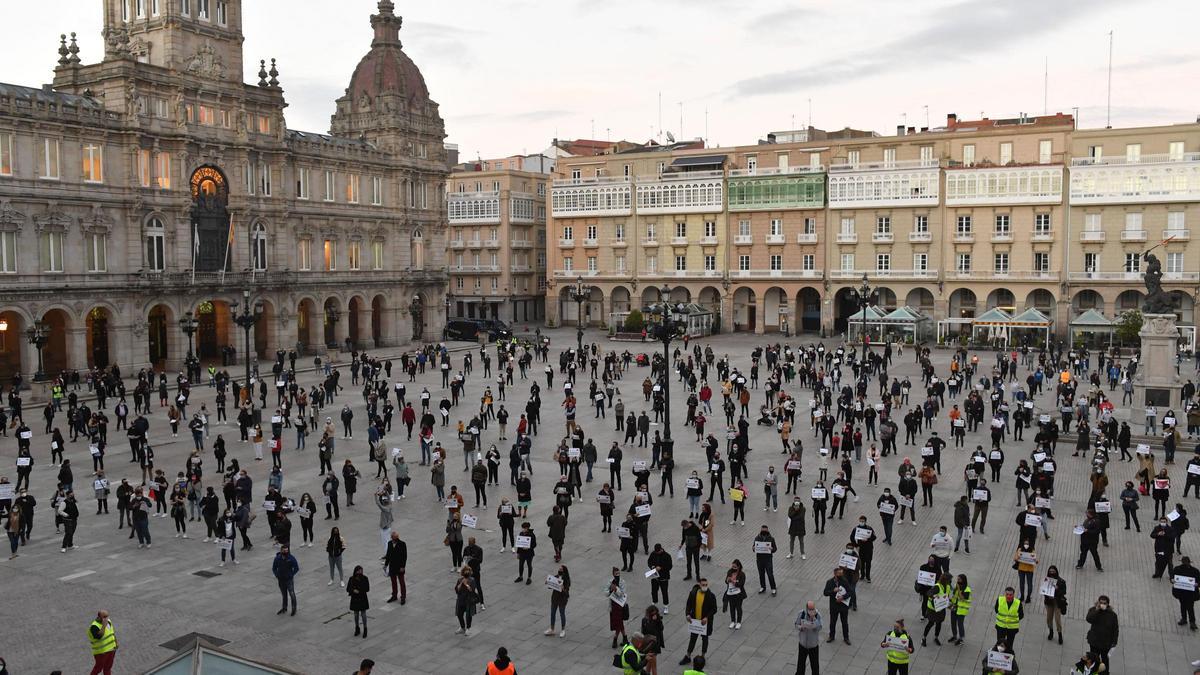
point(387, 102)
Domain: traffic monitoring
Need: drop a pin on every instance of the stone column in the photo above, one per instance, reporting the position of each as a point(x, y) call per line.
point(1157, 383)
point(365, 338)
point(76, 349)
point(726, 305)
point(552, 307)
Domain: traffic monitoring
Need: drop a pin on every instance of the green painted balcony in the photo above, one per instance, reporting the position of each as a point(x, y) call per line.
point(769, 189)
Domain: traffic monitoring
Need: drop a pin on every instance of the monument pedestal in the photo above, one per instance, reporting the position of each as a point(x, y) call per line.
point(1157, 382)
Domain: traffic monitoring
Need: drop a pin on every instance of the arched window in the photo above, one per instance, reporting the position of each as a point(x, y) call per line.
point(258, 248)
point(418, 250)
point(155, 246)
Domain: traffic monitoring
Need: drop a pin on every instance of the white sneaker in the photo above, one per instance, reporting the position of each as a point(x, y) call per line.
point(147, 545)
point(666, 610)
point(789, 555)
point(803, 557)
point(458, 631)
point(764, 508)
point(330, 583)
point(548, 631)
point(206, 540)
point(342, 582)
point(185, 536)
point(774, 510)
point(732, 625)
point(237, 562)
point(732, 522)
point(64, 550)
point(221, 564)
point(562, 633)
point(738, 625)
point(467, 633)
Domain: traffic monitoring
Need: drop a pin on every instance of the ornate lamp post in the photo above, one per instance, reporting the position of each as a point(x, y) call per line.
point(865, 296)
point(246, 320)
point(665, 328)
point(580, 293)
point(417, 309)
point(38, 336)
point(189, 326)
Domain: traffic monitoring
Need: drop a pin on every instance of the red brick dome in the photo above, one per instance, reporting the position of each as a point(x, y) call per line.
point(386, 69)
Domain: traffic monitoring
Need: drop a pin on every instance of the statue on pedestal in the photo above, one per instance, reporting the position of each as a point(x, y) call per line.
point(1157, 300)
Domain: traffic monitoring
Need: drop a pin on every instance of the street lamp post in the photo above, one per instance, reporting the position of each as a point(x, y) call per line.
point(38, 336)
point(580, 293)
point(665, 328)
point(865, 296)
point(189, 326)
point(246, 320)
point(446, 322)
point(417, 309)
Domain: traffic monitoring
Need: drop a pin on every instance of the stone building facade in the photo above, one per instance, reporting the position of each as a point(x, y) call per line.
point(1016, 214)
point(157, 182)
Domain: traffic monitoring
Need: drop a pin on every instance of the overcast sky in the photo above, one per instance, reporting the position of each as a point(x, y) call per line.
point(510, 75)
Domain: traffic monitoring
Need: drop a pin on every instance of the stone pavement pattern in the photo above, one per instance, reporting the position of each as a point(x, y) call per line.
point(153, 595)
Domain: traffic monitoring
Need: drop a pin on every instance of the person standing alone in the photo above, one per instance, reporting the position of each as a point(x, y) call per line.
point(103, 639)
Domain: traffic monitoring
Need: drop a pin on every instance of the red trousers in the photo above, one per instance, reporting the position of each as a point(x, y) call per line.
point(403, 588)
point(104, 663)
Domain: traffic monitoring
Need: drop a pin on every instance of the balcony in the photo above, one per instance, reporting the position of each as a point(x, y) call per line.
point(573, 274)
point(884, 274)
point(697, 192)
point(621, 242)
point(456, 243)
point(1177, 234)
point(1133, 235)
point(473, 207)
point(964, 237)
point(566, 243)
point(1092, 236)
point(1140, 180)
point(1105, 276)
point(1043, 235)
point(599, 196)
point(778, 274)
point(591, 243)
point(806, 238)
point(491, 243)
point(474, 243)
point(467, 269)
point(1004, 185)
point(847, 238)
point(520, 269)
point(708, 241)
point(650, 241)
point(1002, 237)
point(520, 243)
point(679, 241)
point(1032, 275)
point(918, 237)
point(775, 239)
point(878, 185)
point(893, 165)
point(743, 239)
point(882, 237)
point(523, 208)
point(764, 189)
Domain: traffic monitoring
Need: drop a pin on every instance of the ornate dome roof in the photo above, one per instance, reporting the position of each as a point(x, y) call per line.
point(386, 69)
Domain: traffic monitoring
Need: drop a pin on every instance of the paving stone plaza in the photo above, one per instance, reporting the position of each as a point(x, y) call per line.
point(175, 588)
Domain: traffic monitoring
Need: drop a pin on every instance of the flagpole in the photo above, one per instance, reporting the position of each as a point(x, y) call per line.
point(195, 249)
point(228, 245)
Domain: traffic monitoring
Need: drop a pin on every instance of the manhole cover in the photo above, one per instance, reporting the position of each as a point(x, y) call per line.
point(207, 574)
point(186, 641)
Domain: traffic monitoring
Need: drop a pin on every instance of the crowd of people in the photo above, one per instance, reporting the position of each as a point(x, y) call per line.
point(840, 401)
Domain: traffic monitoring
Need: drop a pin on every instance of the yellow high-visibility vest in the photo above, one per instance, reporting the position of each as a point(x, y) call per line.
point(1007, 615)
point(107, 641)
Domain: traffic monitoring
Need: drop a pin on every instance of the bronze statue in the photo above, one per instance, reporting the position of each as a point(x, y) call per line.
point(1157, 300)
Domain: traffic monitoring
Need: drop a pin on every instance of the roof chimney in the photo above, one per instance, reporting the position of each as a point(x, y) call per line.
point(899, 129)
point(951, 119)
point(912, 130)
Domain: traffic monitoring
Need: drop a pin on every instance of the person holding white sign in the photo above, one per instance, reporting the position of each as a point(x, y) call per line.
point(1185, 589)
point(937, 602)
point(701, 606)
point(764, 554)
point(559, 584)
point(899, 646)
point(1164, 546)
point(1054, 597)
point(1025, 561)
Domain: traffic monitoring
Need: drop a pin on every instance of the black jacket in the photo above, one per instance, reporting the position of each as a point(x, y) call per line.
point(663, 561)
point(396, 557)
point(1102, 635)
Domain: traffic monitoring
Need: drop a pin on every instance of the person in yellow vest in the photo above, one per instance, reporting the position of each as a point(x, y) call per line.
point(502, 665)
point(1009, 613)
point(631, 660)
point(103, 638)
point(899, 646)
point(961, 606)
point(697, 666)
point(937, 603)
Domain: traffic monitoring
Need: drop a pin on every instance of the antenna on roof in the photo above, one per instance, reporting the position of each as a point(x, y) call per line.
point(1108, 106)
point(659, 135)
point(1046, 88)
point(670, 138)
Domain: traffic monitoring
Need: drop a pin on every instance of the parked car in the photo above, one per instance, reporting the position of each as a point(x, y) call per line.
point(470, 329)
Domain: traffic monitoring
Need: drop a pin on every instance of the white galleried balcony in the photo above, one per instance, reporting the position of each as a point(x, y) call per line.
point(1004, 185)
point(1145, 179)
point(695, 192)
point(523, 208)
point(599, 196)
point(473, 207)
point(902, 183)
